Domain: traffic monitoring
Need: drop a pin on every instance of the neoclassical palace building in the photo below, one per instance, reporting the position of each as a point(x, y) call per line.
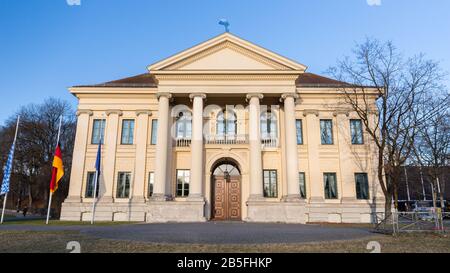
point(225, 130)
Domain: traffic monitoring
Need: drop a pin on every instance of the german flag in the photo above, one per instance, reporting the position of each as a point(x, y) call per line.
point(57, 170)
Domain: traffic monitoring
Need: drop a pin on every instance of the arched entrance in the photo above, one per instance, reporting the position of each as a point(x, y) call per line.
point(226, 191)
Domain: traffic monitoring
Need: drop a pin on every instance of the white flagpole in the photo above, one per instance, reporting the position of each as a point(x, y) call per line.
point(4, 205)
point(97, 174)
point(14, 143)
point(50, 192)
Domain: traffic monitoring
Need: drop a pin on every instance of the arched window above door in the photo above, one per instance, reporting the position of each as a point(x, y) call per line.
point(226, 168)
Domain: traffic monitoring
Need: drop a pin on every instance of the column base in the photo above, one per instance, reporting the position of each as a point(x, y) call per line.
point(316, 199)
point(348, 200)
point(345, 212)
point(188, 211)
point(256, 198)
point(195, 198)
point(73, 199)
point(105, 199)
point(138, 199)
point(293, 198)
point(281, 212)
point(160, 197)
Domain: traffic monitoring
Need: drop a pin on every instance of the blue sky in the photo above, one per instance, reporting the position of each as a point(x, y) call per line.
point(47, 46)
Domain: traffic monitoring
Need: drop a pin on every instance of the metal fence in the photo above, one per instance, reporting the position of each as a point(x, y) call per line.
point(446, 221)
point(418, 221)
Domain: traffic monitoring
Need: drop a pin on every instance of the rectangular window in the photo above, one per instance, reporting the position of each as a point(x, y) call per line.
point(330, 185)
point(90, 185)
point(154, 131)
point(302, 183)
point(270, 183)
point(299, 127)
point(356, 131)
point(98, 131)
point(183, 177)
point(127, 131)
point(123, 185)
point(326, 131)
point(362, 186)
point(151, 182)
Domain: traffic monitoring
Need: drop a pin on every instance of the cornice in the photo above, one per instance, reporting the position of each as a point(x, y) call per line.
point(266, 75)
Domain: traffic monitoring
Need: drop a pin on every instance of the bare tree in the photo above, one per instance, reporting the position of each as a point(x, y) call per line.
point(35, 148)
point(432, 147)
point(386, 90)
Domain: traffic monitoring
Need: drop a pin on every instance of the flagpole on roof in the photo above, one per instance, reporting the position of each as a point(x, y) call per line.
point(50, 191)
point(10, 168)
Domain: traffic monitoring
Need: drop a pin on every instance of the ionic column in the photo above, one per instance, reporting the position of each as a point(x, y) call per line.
point(79, 156)
point(159, 188)
point(141, 155)
point(256, 176)
point(195, 190)
point(109, 166)
point(293, 189)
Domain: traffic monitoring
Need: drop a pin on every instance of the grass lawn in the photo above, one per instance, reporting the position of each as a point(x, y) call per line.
point(32, 241)
point(41, 222)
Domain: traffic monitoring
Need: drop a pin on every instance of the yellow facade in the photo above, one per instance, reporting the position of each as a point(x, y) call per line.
point(225, 70)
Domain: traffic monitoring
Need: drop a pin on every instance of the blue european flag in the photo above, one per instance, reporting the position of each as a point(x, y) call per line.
point(99, 158)
point(7, 172)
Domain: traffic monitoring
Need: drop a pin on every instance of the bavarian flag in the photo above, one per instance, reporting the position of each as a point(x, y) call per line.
point(57, 170)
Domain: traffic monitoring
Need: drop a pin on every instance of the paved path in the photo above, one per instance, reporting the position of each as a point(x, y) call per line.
point(211, 232)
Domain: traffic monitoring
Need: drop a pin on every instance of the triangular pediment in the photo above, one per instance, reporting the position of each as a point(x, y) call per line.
point(226, 52)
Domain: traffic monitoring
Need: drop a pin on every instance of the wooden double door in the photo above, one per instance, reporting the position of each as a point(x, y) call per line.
point(227, 198)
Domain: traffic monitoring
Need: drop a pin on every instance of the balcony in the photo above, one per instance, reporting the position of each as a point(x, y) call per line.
point(226, 139)
point(269, 142)
point(183, 142)
point(266, 142)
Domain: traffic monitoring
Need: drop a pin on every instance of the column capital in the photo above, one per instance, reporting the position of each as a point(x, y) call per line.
point(114, 111)
point(289, 95)
point(164, 94)
point(341, 112)
point(84, 111)
point(310, 112)
point(143, 112)
point(194, 95)
point(257, 95)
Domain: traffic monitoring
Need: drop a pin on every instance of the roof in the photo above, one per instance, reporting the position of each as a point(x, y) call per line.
point(142, 80)
point(146, 80)
point(314, 80)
